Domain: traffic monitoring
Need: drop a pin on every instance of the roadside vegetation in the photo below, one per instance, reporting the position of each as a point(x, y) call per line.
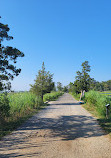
point(15, 108)
point(94, 94)
point(95, 103)
point(76, 96)
point(52, 96)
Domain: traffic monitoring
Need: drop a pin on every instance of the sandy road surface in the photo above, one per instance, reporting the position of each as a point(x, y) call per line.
point(62, 130)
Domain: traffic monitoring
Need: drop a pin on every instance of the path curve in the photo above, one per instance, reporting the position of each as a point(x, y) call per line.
point(62, 130)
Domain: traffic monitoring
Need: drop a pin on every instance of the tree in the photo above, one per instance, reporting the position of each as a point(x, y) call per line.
point(54, 88)
point(65, 89)
point(70, 87)
point(43, 82)
point(109, 84)
point(59, 86)
point(83, 79)
point(8, 58)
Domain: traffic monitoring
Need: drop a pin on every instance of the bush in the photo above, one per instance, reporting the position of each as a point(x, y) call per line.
point(4, 106)
point(52, 96)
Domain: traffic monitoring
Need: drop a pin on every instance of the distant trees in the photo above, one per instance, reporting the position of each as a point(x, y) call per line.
point(8, 58)
point(65, 89)
point(83, 81)
point(103, 86)
point(59, 86)
point(43, 82)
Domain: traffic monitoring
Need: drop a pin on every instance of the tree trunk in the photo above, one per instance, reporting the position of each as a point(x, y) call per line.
point(42, 97)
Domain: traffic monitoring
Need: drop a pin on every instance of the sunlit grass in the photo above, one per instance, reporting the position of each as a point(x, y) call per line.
point(95, 104)
point(52, 96)
point(22, 106)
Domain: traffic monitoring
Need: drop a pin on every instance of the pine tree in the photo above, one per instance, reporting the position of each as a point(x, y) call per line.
point(83, 79)
point(43, 82)
point(8, 58)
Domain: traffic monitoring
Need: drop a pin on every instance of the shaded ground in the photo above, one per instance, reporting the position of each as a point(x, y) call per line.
point(62, 130)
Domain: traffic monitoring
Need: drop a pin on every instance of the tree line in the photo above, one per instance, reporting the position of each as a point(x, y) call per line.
point(83, 81)
point(44, 79)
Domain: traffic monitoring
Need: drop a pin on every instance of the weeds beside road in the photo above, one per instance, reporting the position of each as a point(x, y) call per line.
point(62, 130)
point(15, 108)
point(95, 103)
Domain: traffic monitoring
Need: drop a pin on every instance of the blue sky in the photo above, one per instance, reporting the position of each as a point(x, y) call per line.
point(63, 34)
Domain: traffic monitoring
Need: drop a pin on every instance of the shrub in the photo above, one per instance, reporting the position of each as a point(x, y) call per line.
point(52, 96)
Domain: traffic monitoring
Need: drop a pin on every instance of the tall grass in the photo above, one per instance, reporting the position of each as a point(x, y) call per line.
point(97, 101)
point(22, 103)
point(17, 107)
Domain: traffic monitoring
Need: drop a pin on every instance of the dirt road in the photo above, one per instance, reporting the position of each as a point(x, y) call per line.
point(62, 130)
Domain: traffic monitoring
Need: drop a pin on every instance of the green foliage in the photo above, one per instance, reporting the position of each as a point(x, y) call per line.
point(65, 89)
point(8, 58)
point(83, 79)
point(20, 102)
point(23, 103)
point(38, 102)
point(20, 106)
point(59, 86)
point(85, 82)
point(52, 96)
point(43, 83)
point(71, 87)
point(101, 86)
point(75, 95)
point(4, 106)
point(98, 101)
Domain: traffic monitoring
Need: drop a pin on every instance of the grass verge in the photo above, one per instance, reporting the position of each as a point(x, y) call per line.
point(22, 106)
point(95, 104)
point(12, 123)
point(76, 96)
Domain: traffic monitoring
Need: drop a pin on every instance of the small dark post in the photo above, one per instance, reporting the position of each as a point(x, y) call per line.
point(107, 109)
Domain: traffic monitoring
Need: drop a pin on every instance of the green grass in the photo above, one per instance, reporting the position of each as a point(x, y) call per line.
point(105, 92)
point(103, 121)
point(95, 104)
point(23, 106)
point(76, 96)
point(52, 96)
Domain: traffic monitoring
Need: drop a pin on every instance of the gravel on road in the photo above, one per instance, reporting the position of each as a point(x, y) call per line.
point(64, 129)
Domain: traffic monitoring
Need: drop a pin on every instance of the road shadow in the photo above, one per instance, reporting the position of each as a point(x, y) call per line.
point(19, 155)
point(64, 127)
point(68, 127)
